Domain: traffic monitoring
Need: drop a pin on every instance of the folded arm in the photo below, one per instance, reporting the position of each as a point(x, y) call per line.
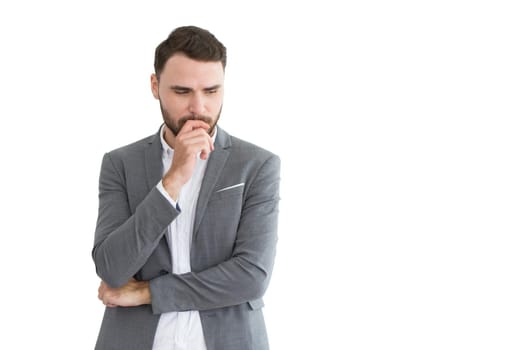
point(121, 250)
point(124, 241)
point(243, 277)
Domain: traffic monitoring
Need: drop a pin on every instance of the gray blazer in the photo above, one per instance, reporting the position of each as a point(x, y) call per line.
point(232, 251)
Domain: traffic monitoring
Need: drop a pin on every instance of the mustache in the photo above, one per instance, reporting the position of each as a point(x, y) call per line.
point(203, 118)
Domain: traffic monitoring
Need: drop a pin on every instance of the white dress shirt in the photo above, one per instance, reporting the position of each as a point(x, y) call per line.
point(181, 330)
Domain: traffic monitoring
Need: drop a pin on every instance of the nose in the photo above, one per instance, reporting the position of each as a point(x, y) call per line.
point(197, 105)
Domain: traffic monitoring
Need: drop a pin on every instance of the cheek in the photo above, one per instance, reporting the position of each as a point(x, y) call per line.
point(172, 104)
point(216, 103)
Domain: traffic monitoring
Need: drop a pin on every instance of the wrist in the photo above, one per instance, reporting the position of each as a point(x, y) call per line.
point(172, 187)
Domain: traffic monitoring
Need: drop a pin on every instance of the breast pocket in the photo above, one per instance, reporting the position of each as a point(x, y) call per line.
point(220, 222)
point(228, 192)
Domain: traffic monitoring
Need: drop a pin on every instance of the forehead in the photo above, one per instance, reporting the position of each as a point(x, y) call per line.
point(185, 71)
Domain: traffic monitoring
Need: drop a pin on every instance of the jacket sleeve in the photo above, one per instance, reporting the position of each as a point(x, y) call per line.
point(245, 276)
point(124, 241)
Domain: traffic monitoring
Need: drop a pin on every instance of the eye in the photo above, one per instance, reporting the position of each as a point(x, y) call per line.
point(211, 91)
point(180, 90)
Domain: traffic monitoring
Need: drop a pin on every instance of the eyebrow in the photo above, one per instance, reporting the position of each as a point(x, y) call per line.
point(184, 88)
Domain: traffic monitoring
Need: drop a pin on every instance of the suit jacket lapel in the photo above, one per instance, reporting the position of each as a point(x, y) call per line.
point(153, 161)
point(213, 171)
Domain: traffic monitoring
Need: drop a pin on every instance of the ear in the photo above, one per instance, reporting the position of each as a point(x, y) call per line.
point(154, 86)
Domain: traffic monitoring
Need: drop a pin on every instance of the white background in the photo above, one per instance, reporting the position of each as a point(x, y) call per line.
point(400, 128)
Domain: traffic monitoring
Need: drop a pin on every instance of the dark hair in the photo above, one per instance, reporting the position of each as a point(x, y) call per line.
point(196, 43)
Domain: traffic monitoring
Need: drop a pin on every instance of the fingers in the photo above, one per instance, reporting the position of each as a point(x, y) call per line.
point(103, 294)
point(194, 128)
point(195, 141)
point(101, 290)
point(194, 124)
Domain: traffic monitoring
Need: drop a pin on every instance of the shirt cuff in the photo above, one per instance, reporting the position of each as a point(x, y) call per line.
point(163, 191)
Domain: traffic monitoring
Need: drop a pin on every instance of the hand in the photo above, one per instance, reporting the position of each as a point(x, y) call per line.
point(191, 139)
point(133, 293)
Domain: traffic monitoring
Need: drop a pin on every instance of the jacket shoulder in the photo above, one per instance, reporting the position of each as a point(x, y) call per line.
point(132, 153)
point(245, 149)
point(133, 147)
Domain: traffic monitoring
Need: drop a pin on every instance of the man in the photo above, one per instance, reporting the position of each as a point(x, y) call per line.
point(187, 226)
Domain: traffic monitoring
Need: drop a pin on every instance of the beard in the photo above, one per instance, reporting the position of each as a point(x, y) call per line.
point(175, 126)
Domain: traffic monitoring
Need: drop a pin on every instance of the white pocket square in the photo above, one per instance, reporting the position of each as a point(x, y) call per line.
point(230, 187)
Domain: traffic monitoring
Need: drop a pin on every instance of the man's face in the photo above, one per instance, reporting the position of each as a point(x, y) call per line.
point(189, 89)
